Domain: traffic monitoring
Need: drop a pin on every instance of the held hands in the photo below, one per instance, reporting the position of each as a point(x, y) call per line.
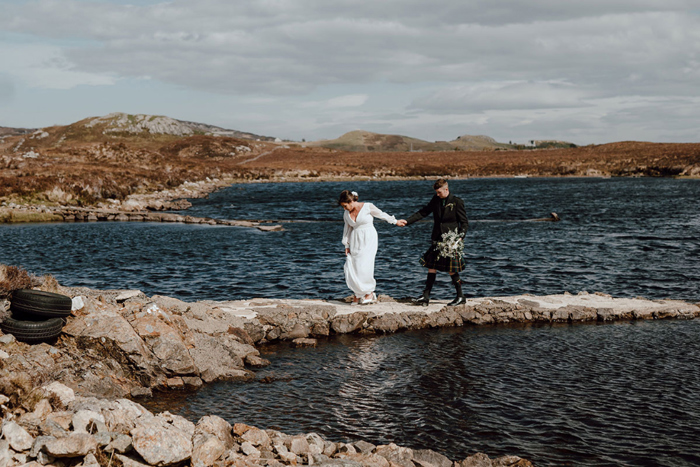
point(401, 223)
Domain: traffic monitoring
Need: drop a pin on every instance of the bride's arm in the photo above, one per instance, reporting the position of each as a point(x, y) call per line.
point(379, 214)
point(346, 235)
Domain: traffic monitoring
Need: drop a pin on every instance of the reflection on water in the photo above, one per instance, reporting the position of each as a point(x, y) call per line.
point(588, 394)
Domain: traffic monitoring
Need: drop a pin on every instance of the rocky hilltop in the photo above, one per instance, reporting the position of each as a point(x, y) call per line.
point(104, 160)
point(121, 123)
point(365, 141)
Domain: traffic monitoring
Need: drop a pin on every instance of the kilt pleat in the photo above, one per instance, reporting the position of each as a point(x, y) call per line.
point(430, 260)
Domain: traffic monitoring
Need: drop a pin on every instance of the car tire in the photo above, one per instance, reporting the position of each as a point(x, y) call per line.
point(32, 332)
point(39, 305)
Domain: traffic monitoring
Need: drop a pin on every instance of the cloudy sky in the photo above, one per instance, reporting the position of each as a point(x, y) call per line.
point(585, 71)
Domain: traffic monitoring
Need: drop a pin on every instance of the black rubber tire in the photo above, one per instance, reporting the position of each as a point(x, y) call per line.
point(32, 332)
point(36, 304)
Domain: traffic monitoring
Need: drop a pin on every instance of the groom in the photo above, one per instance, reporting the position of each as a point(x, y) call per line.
point(448, 214)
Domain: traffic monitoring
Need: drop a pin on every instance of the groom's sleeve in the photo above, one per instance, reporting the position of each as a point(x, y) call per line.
point(424, 211)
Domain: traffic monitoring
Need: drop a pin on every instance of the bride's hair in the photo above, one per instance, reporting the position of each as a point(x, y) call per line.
point(347, 196)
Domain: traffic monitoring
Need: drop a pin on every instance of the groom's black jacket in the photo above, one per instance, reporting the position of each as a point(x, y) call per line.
point(450, 216)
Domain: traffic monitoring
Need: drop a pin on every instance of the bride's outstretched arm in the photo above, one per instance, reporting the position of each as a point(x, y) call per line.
point(379, 214)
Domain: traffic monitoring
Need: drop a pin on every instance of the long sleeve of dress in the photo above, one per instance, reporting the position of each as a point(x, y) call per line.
point(379, 214)
point(346, 235)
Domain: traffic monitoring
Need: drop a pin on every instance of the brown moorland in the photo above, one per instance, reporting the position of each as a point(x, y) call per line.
point(615, 159)
point(88, 162)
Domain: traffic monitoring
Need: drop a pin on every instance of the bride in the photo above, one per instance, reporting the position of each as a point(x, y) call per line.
point(360, 240)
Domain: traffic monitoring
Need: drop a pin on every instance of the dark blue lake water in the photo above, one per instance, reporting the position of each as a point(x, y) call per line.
point(625, 237)
point(613, 394)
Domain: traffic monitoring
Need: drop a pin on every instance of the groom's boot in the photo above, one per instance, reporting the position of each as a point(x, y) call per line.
point(424, 299)
point(457, 282)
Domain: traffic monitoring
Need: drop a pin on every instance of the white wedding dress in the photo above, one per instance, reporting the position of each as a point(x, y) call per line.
point(360, 237)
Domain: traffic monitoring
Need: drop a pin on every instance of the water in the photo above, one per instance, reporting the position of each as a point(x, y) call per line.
point(625, 237)
point(614, 394)
point(610, 394)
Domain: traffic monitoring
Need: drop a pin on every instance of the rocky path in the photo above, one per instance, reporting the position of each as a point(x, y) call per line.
point(121, 343)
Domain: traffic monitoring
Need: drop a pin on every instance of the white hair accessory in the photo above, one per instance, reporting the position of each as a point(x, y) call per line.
point(354, 193)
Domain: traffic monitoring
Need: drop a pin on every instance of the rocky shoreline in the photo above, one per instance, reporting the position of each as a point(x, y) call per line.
point(58, 428)
point(120, 344)
point(75, 214)
point(136, 208)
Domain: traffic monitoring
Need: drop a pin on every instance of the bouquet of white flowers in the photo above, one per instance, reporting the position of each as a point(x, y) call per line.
point(451, 245)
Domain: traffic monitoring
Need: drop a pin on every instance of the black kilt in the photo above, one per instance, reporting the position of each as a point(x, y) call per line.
point(430, 261)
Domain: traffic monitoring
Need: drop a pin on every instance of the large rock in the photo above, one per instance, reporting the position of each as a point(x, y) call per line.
point(119, 415)
point(129, 462)
point(297, 445)
point(113, 334)
point(63, 392)
point(166, 344)
point(343, 324)
point(82, 418)
point(18, 437)
point(5, 454)
point(511, 461)
point(428, 458)
point(160, 443)
point(255, 436)
point(212, 438)
point(215, 360)
point(215, 426)
point(74, 445)
point(396, 454)
point(208, 317)
point(366, 460)
point(477, 460)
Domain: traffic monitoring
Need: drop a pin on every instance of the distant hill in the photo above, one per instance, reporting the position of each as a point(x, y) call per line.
point(139, 124)
point(365, 141)
point(112, 157)
point(7, 131)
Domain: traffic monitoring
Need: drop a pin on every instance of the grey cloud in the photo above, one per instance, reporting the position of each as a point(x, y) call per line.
point(608, 47)
point(513, 95)
point(641, 118)
point(292, 58)
point(7, 89)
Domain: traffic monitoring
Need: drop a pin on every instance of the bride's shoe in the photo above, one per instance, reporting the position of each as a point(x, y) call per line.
point(367, 301)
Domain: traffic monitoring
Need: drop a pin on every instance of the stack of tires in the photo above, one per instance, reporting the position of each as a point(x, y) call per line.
point(37, 316)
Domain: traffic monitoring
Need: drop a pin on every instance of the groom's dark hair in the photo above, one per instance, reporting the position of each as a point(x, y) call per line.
point(439, 183)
